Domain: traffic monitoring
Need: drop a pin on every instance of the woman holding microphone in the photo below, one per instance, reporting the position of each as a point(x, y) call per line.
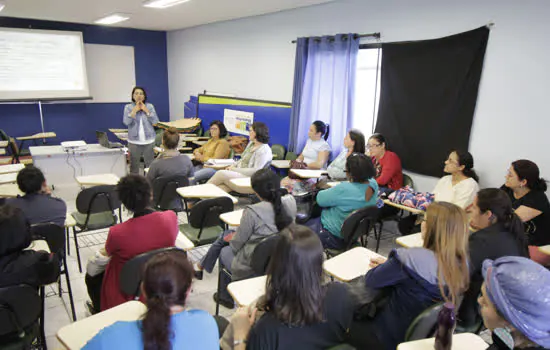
point(139, 117)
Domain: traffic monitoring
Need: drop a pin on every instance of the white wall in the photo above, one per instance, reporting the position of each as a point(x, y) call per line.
point(254, 58)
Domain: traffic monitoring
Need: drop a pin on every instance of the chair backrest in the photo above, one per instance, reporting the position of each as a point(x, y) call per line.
point(206, 212)
point(424, 325)
point(262, 254)
point(407, 181)
point(4, 136)
point(97, 199)
point(20, 308)
point(132, 271)
point(165, 196)
point(358, 223)
point(206, 133)
point(278, 150)
point(291, 156)
point(53, 234)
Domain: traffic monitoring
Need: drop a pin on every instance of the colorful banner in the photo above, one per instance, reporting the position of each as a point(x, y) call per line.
point(237, 121)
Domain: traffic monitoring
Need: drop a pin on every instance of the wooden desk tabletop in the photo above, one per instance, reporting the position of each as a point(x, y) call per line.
point(38, 245)
point(545, 249)
point(280, 164)
point(200, 143)
point(204, 191)
point(410, 241)
point(183, 242)
point(11, 168)
point(463, 341)
point(98, 179)
point(351, 264)
point(2, 151)
point(232, 218)
point(243, 182)
point(308, 173)
point(245, 292)
point(10, 191)
point(77, 334)
point(8, 178)
point(3, 143)
point(115, 131)
point(40, 135)
point(123, 136)
point(404, 207)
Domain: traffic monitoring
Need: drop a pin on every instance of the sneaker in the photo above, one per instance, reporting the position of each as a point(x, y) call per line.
point(228, 304)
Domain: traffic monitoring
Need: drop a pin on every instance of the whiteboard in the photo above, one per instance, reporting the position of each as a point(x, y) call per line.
point(111, 72)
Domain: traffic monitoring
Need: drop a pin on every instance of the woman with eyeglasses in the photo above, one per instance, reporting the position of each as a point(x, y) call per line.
point(387, 164)
point(217, 147)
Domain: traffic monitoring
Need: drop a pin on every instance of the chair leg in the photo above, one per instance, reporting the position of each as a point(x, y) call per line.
point(67, 241)
point(77, 251)
point(67, 278)
point(378, 237)
point(220, 271)
point(42, 327)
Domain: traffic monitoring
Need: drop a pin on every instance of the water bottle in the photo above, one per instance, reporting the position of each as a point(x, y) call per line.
point(446, 322)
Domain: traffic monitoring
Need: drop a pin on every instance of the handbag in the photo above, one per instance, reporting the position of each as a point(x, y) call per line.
point(296, 164)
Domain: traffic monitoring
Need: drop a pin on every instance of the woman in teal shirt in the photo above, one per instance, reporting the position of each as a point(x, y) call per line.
point(166, 324)
point(338, 202)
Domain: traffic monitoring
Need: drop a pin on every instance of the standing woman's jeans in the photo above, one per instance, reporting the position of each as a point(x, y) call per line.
point(138, 151)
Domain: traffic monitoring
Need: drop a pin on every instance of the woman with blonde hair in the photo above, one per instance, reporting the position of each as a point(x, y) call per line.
point(413, 279)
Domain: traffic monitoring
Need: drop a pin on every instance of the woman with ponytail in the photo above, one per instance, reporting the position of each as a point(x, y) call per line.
point(499, 232)
point(167, 324)
point(276, 211)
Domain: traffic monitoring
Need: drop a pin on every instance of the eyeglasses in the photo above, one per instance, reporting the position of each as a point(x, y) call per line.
point(373, 146)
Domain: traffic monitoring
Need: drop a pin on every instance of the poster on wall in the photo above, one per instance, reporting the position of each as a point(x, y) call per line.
point(237, 121)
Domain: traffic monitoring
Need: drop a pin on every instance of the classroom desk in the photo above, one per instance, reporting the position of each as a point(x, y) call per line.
point(115, 131)
point(204, 191)
point(182, 242)
point(217, 166)
point(232, 218)
point(349, 265)
point(39, 245)
point(122, 136)
point(280, 164)
point(11, 168)
point(404, 207)
point(410, 241)
point(242, 183)
point(545, 249)
point(8, 178)
point(308, 173)
point(334, 183)
point(96, 180)
point(77, 334)
point(10, 191)
point(61, 168)
point(200, 143)
point(245, 292)
point(40, 135)
point(463, 341)
point(3, 144)
point(2, 151)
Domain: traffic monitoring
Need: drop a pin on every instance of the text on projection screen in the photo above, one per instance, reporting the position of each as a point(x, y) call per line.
point(38, 64)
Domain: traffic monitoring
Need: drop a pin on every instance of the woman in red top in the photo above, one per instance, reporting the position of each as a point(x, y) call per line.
point(388, 165)
point(147, 230)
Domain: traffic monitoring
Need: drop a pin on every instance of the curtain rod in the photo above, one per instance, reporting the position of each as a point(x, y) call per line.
point(359, 36)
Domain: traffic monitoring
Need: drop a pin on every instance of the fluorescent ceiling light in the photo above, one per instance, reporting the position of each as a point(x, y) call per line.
point(162, 4)
point(112, 19)
point(2, 5)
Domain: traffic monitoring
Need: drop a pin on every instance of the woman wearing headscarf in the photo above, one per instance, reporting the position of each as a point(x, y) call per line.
point(514, 303)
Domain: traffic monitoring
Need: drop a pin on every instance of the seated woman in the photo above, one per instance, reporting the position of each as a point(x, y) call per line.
point(499, 232)
point(167, 324)
point(338, 202)
point(299, 310)
point(527, 192)
point(354, 142)
point(414, 279)
point(18, 265)
point(257, 155)
point(387, 164)
point(276, 211)
point(217, 147)
point(514, 303)
point(170, 162)
point(147, 230)
point(315, 155)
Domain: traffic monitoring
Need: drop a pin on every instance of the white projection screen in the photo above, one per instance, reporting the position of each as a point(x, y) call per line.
point(37, 65)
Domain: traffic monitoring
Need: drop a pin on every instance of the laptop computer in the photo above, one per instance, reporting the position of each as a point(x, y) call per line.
point(104, 140)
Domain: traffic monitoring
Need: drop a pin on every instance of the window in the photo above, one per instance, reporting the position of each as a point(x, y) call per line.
point(367, 90)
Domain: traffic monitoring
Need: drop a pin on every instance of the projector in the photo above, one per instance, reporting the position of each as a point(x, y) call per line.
point(73, 146)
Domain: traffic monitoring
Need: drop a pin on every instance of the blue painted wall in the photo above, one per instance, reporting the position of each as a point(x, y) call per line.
point(75, 121)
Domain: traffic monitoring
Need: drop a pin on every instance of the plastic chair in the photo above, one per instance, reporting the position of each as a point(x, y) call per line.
point(291, 156)
point(407, 181)
point(20, 312)
point(132, 271)
point(204, 220)
point(54, 235)
point(278, 151)
point(165, 196)
point(357, 225)
point(424, 325)
point(95, 210)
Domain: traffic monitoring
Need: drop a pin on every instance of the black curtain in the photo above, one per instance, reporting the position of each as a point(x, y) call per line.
point(428, 97)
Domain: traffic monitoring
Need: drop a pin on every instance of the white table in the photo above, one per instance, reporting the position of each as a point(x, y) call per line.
point(8, 178)
point(245, 292)
point(404, 207)
point(204, 191)
point(242, 182)
point(280, 164)
point(77, 334)
point(349, 265)
point(183, 242)
point(115, 131)
point(232, 218)
point(4, 144)
point(333, 183)
point(308, 173)
point(545, 249)
point(200, 143)
point(410, 241)
point(10, 191)
point(96, 180)
point(57, 165)
point(38, 245)
point(11, 168)
point(463, 341)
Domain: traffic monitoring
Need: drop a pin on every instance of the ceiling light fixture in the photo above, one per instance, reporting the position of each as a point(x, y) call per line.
point(2, 5)
point(162, 4)
point(112, 19)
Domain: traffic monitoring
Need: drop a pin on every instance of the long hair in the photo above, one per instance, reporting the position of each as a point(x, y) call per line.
point(359, 139)
point(323, 128)
point(166, 282)
point(447, 236)
point(268, 186)
point(294, 289)
point(221, 126)
point(465, 158)
point(500, 205)
point(262, 132)
point(529, 171)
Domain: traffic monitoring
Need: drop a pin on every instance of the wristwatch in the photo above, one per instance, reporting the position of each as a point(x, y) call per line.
point(238, 342)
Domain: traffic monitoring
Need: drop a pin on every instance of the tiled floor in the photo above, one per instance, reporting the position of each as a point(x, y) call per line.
point(58, 313)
